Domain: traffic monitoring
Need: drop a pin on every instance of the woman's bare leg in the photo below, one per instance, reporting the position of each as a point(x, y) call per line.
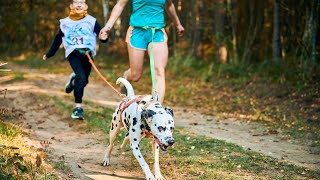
point(136, 59)
point(160, 51)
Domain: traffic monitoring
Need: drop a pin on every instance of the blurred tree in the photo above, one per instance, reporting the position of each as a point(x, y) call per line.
point(240, 30)
point(277, 30)
point(310, 32)
point(219, 31)
point(105, 7)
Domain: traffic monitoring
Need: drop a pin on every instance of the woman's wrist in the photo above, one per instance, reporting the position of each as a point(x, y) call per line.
point(108, 25)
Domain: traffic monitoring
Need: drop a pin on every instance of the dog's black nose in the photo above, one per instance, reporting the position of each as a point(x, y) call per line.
point(171, 142)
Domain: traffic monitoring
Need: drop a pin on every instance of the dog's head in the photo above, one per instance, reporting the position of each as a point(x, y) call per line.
point(161, 123)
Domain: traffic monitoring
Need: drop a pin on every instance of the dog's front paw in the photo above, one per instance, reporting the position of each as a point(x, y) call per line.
point(159, 177)
point(150, 177)
point(106, 162)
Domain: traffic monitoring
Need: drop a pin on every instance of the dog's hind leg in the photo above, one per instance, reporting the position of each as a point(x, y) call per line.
point(114, 130)
point(125, 141)
point(156, 166)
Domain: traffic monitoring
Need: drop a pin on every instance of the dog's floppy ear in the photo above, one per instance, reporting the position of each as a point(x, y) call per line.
point(147, 113)
point(169, 111)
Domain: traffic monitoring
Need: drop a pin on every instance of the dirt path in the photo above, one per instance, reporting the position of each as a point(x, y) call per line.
point(64, 140)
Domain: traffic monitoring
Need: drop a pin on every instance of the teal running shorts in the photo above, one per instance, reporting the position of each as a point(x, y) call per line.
point(140, 38)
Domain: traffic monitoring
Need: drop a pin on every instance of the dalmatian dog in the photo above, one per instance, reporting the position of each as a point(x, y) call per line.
point(142, 117)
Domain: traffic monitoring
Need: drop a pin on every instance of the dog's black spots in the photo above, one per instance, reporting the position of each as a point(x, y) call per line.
point(127, 134)
point(143, 102)
point(169, 122)
point(146, 114)
point(151, 113)
point(135, 139)
point(125, 114)
point(137, 148)
point(114, 118)
point(116, 125)
point(139, 156)
point(157, 105)
point(160, 112)
point(129, 116)
point(155, 125)
point(141, 126)
point(157, 147)
point(142, 133)
point(133, 130)
point(134, 121)
point(111, 126)
point(148, 128)
point(126, 122)
point(118, 111)
point(169, 111)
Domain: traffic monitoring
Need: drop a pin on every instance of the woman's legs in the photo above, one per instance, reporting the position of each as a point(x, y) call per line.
point(136, 56)
point(160, 52)
point(136, 59)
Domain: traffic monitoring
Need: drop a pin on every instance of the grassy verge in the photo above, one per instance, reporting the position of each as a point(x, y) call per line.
point(198, 157)
point(18, 161)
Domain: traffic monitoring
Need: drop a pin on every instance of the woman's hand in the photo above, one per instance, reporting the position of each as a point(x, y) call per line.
point(104, 33)
point(180, 30)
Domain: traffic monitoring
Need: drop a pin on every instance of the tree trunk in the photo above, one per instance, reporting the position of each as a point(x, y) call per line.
point(105, 7)
point(232, 13)
point(314, 29)
point(255, 21)
point(219, 21)
point(195, 28)
point(277, 31)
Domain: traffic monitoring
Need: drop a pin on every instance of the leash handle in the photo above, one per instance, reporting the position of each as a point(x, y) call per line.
point(98, 72)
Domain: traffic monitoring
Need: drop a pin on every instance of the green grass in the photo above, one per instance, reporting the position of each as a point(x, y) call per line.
point(18, 76)
point(55, 64)
point(16, 161)
point(197, 150)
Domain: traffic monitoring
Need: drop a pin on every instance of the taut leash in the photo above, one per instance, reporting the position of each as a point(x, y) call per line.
point(152, 68)
point(104, 79)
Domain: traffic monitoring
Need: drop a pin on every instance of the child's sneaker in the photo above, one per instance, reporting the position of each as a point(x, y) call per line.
point(77, 113)
point(69, 86)
point(122, 88)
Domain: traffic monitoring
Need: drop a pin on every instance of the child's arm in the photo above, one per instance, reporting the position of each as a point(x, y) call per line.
point(55, 45)
point(97, 29)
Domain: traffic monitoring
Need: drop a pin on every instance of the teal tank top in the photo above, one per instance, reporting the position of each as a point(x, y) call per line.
point(147, 13)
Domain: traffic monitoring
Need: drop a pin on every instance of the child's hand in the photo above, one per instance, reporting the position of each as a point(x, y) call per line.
point(44, 57)
point(103, 35)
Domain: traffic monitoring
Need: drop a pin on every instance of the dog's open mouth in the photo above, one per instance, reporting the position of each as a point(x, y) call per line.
point(162, 146)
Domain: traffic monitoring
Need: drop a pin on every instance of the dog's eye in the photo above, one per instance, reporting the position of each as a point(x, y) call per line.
point(160, 128)
point(171, 129)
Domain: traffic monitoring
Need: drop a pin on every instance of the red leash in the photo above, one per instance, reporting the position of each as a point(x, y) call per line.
point(104, 79)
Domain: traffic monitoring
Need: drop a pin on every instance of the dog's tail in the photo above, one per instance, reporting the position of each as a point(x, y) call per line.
point(127, 84)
